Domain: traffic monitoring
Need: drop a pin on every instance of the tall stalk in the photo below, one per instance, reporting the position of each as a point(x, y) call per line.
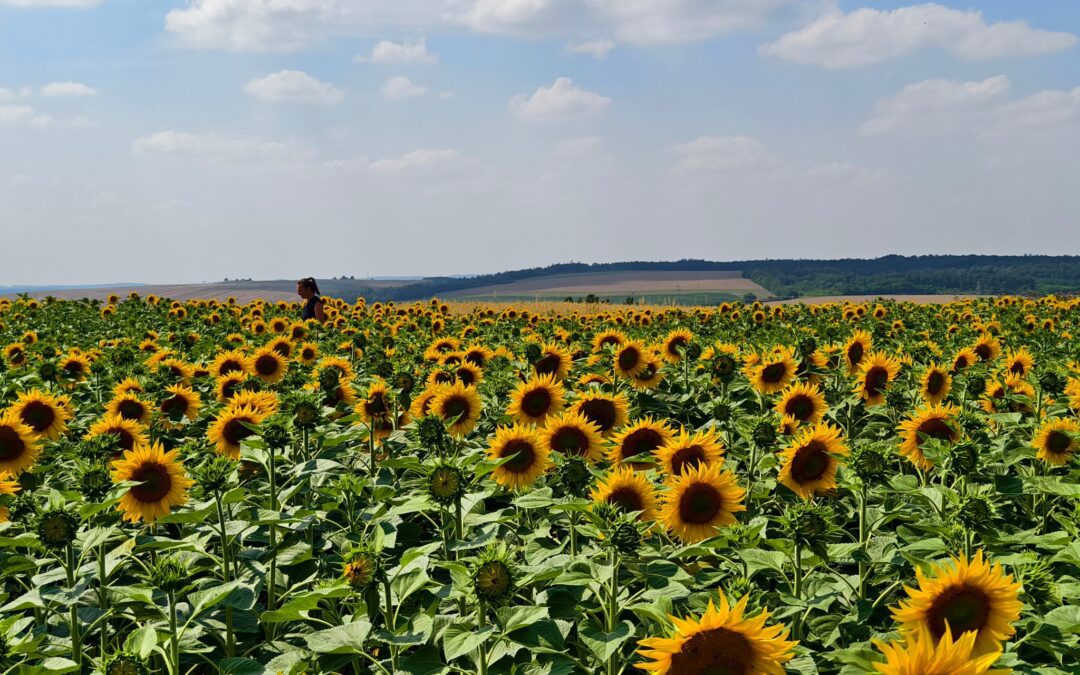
point(226, 575)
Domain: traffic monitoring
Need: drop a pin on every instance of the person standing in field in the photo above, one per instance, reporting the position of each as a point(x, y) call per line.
point(307, 289)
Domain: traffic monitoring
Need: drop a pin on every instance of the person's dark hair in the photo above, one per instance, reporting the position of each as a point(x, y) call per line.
point(309, 282)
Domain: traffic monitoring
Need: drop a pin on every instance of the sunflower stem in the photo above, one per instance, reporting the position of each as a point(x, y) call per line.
point(390, 619)
point(226, 575)
point(573, 534)
point(482, 649)
point(863, 536)
point(271, 582)
point(174, 637)
point(459, 523)
point(103, 598)
point(613, 605)
point(73, 615)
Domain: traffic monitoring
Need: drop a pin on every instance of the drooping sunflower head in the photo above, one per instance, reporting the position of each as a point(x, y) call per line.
point(458, 406)
point(527, 454)
point(607, 412)
point(232, 426)
point(931, 421)
point(1057, 440)
point(935, 384)
point(536, 400)
point(573, 434)
point(722, 640)
point(809, 463)
point(162, 482)
point(968, 595)
point(269, 365)
point(802, 401)
point(636, 443)
point(43, 413)
point(686, 451)
point(875, 376)
point(700, 500)
point(628, 491)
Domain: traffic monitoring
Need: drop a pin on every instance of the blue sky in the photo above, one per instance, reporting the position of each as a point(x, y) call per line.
point(199, 139)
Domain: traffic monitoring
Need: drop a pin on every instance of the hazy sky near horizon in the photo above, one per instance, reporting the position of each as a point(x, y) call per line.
point(191, 140)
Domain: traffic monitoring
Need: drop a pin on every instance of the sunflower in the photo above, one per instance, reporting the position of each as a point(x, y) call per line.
point(8, 488)
point(630, 359)
point(987, 347)
point(803, 401)
point(342, 366)
point(130, 407)
point(162, 482)
point(608, 338)
point(469, 374)
point(809, 463)
point(227, 386)
point(723, 640)
point(553, 361)
point(183, 402)
point(930, 421)
point(573, 434)
point(772, 372)
point(268, 365)
point(376, 407)
point(177, 368)
point(75, 367)
point(128, 433)
point(129, 385)
point(607, 412)
point(787, 426)
point(687, 451)
point(530, 456)
point(46, 416)
point(421, 405)
point(457, 405)
point(856, 348)
point(1057, 441)
point(283, 346)
point(15, 354)
point(876, 374)
point(638, 441)
point(965, 596)
point(536, 400)
point(1019, 362)
point(699, 501)
point(651, 374)
point(996, 396)
point(19, 446)
point(920, 654)
point(231, 361)
point(675, 344)
point(307, 353)
point(935, 384)
point(264, 402)
point(231, 427)
point(628, 491)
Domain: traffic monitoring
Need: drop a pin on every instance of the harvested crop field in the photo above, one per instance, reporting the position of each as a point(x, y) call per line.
point(622, 284)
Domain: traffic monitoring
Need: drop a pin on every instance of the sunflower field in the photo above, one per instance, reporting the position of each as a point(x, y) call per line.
point(206, 487)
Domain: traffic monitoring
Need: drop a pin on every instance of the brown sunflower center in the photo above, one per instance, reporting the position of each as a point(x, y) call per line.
point(1058, 443)
point(810, 462)
point(855, 353)
point(376, 405)
point(719, 651)
point(629, 358)
point(536, 402)
point(964, 608)
point(154, 482)
point(687, 458)
point(570, 441)
point(229, 366)
point(548, 364)
point(700, 504)
point(876, 379)
point(936, 427)
point(773, 373)
point(800, 406)
point(455, 406)
point(935, 383)
point(466, 376)
point(523, 453)
point(640, 441)
point(676, 344)
point(131, 410)
point(37, 415)
point(235, 431)
point(601, 412)
point(175, 405)
point(984, 351)
point(11, 444)
point(626, 499)
point(283, 348)
point(266, 365)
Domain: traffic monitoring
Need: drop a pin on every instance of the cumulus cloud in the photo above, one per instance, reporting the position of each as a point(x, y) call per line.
point(401, 87)
point(294, 86)
point(12, 114)
point(222, 147)
point(283, 25)
point(598, 49)
point(428, 161)
point(980, 107)
point(561, 100)
point(400, 52)
point(25, 116)
point(67, 89)
point(867, 36)
point(722, 153)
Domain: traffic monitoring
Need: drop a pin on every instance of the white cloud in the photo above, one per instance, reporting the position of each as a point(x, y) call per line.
point(285, 25)
point(980, 107)
point(722, 153)
point(12, 114)
point(294, 86)
point(598, 49)
point(222, 147)
point(403, 52)
point(867, 36)
point(67, 89)
point(400, 87)
point(422, 160)
point(561, 100)
point(52, 3)
point(25, 116)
